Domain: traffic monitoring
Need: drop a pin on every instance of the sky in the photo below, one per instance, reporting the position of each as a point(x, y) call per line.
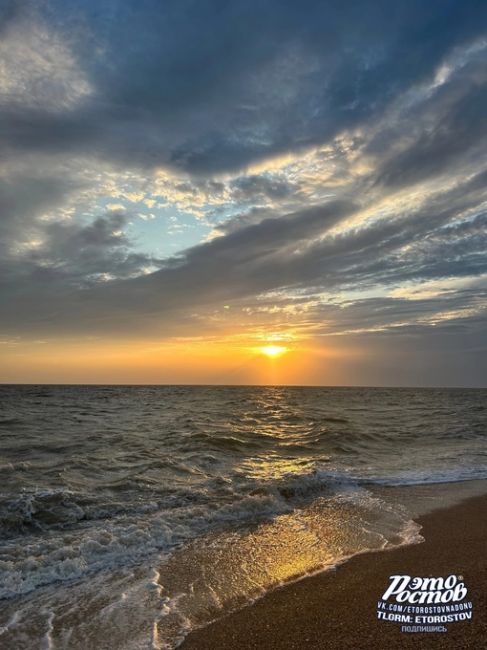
point(203, 191)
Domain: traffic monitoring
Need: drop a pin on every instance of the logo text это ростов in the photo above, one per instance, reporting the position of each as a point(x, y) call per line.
point(418, 591)
point(424, 604)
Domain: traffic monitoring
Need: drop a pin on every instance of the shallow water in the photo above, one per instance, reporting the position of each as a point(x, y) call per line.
point(129, 515)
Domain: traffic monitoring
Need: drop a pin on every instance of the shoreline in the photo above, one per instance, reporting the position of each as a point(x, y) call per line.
point(336, 609)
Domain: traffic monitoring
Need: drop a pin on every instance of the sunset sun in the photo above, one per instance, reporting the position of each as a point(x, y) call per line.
point(273, 351)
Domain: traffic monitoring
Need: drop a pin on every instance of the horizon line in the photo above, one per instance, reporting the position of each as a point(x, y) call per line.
point(230, 385)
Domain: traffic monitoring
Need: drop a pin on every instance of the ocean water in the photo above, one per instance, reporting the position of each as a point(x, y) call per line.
point(130, 515)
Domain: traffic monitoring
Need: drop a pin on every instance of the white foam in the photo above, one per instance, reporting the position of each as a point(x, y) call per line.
point(46, 641)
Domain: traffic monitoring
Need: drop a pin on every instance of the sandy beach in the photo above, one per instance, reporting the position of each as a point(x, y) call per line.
point(336, 610)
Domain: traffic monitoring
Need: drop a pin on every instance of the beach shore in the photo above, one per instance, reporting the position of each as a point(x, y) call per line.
point(336, 610)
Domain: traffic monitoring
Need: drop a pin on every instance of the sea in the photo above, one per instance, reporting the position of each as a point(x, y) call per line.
point(131, 515)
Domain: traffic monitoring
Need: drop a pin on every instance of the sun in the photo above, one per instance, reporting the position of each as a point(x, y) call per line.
point(273, 351)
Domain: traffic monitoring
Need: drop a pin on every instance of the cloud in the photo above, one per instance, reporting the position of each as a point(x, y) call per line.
point(300, 252)
point(449, 127)
point(213, 88)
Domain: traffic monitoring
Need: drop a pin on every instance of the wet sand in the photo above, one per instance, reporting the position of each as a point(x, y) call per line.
point(336, 610)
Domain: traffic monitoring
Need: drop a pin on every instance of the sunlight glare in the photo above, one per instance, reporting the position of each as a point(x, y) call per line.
point(273, 351)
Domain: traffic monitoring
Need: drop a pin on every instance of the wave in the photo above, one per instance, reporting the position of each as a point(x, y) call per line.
point(225, 499)
point(72, 534)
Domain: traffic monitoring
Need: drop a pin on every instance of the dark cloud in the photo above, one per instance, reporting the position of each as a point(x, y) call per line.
point(255, 186)
point(68, 259)
point(9, 11)
point(209, 86)
point(23, 198)
point(449, 127)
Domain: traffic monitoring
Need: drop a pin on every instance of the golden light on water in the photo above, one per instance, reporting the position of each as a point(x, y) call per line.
point(273, 351)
